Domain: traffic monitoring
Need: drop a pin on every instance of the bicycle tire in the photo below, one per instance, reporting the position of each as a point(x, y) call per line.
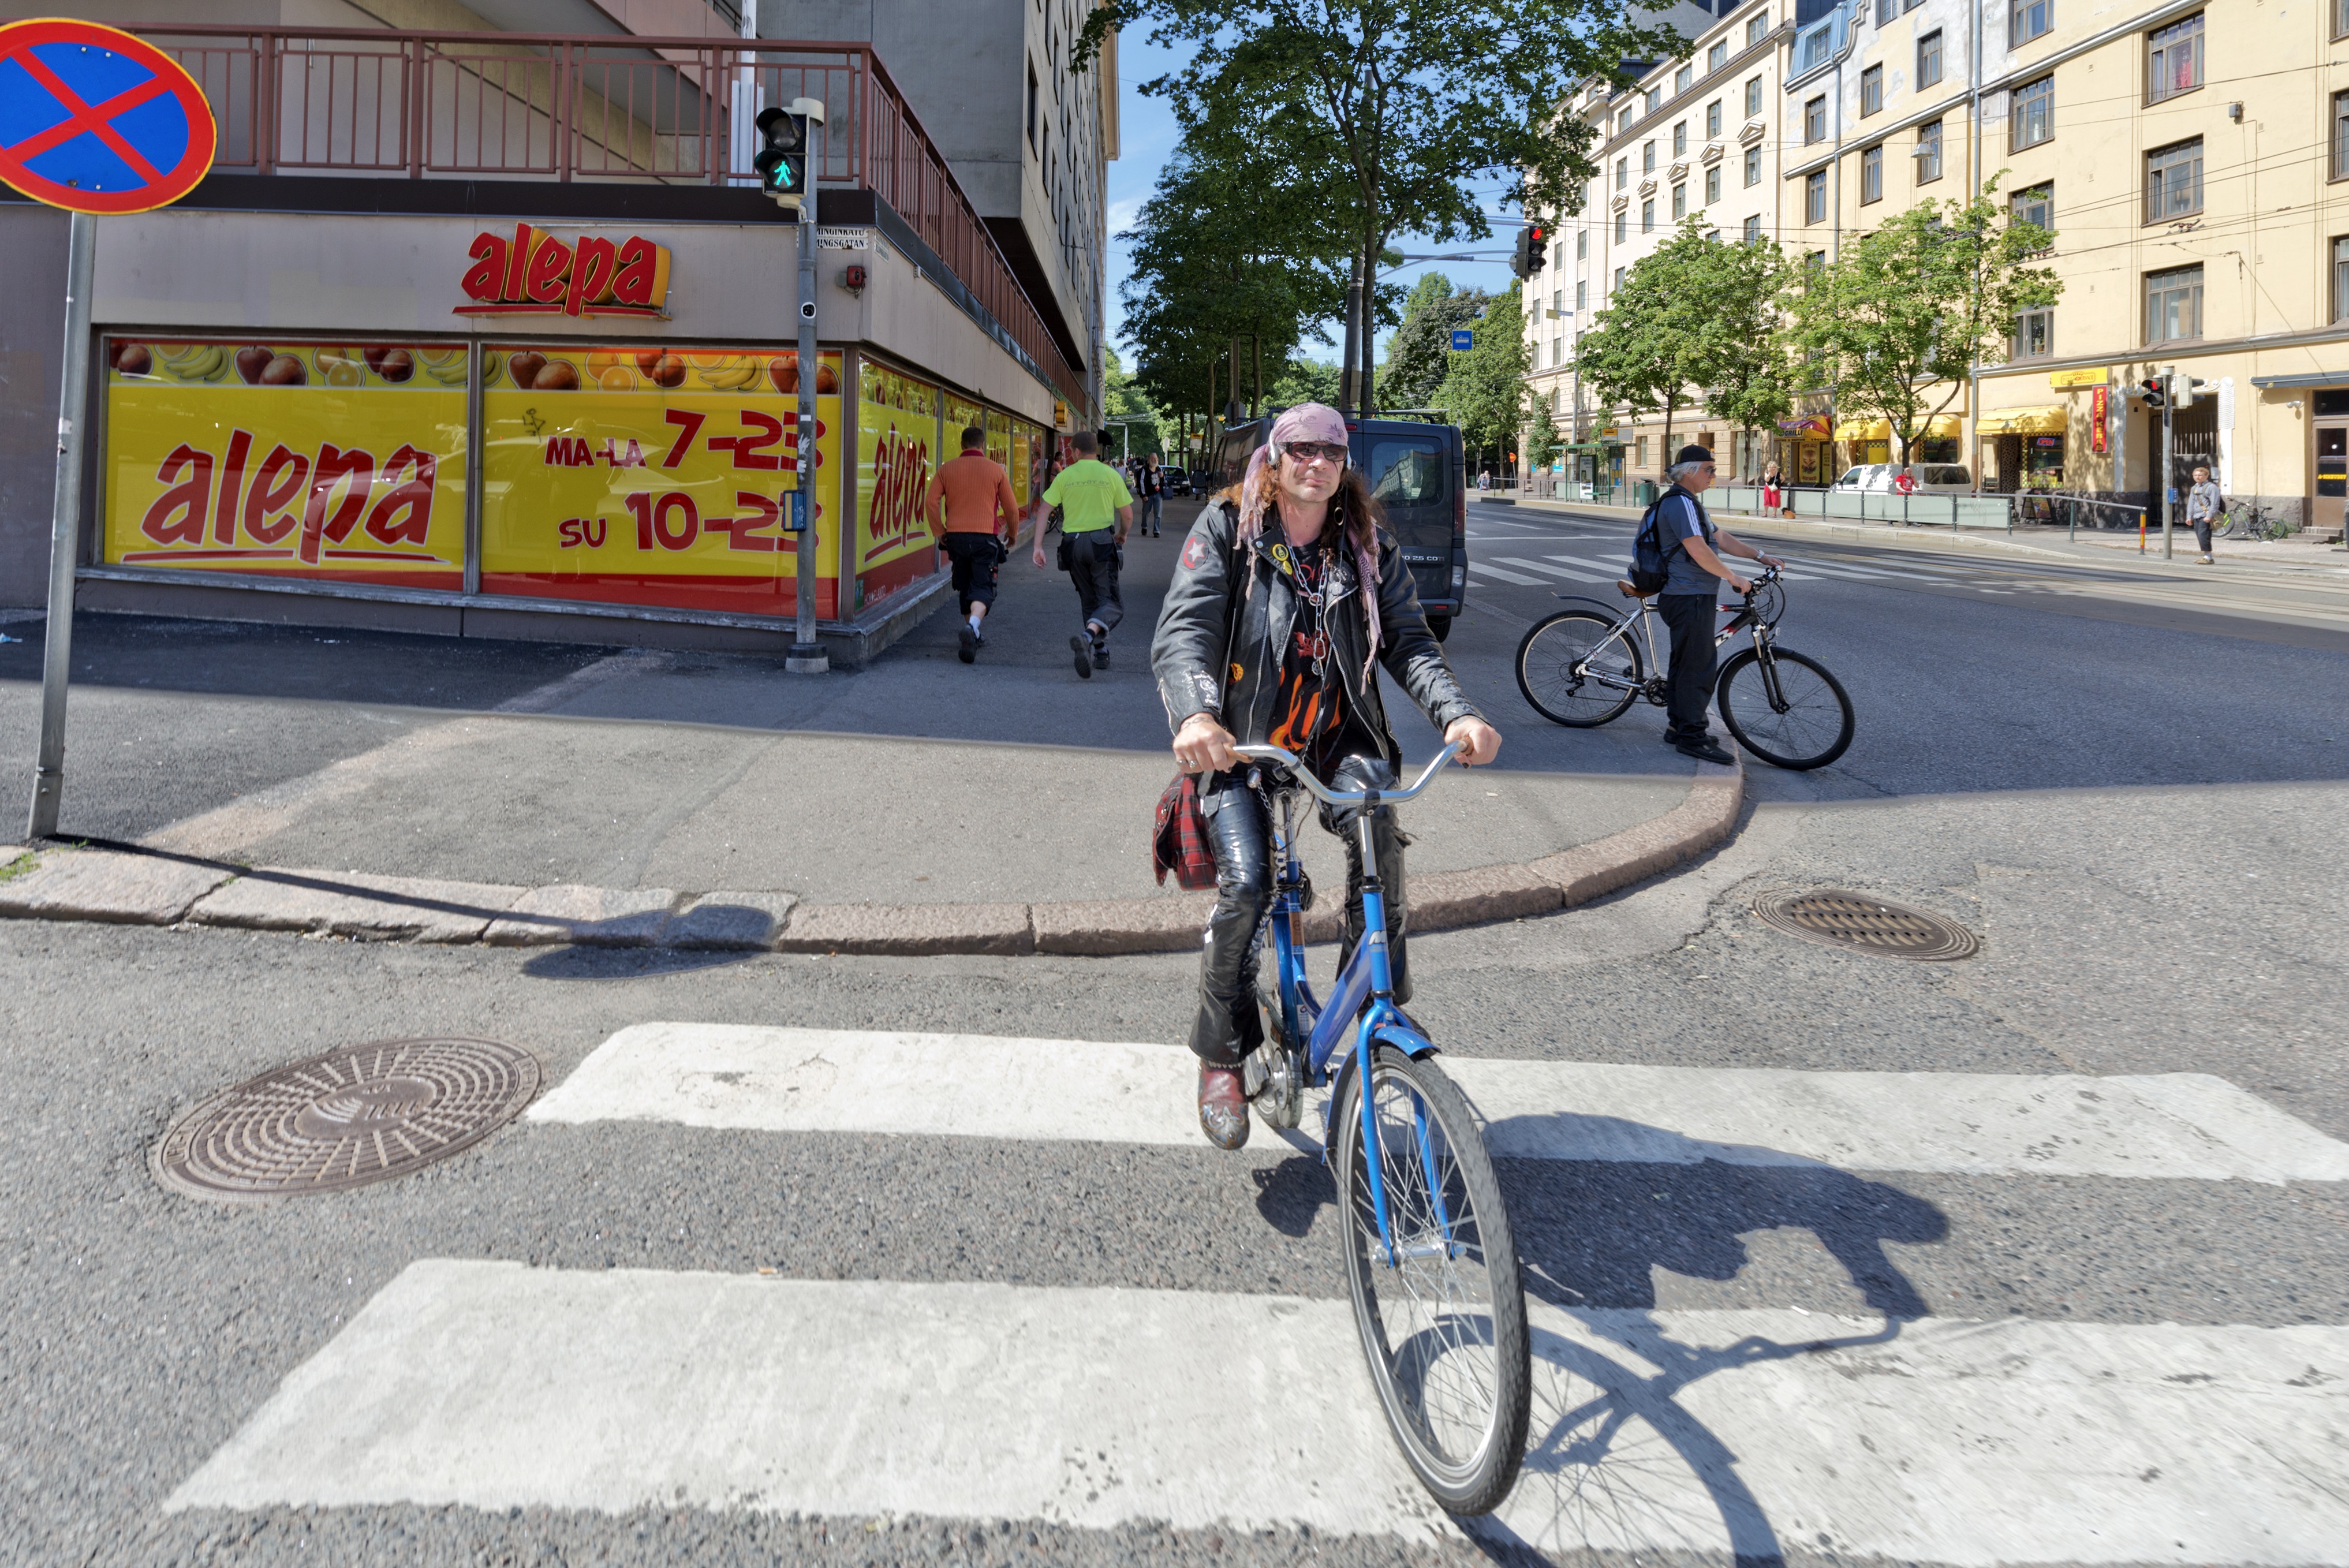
point(1805, 734)
point(1545, 658)
point(1465, 1443)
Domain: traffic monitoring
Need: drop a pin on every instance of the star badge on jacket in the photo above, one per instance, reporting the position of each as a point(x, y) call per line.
point(1194, 551)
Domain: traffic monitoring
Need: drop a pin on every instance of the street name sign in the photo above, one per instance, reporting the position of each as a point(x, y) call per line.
point(1462, 340)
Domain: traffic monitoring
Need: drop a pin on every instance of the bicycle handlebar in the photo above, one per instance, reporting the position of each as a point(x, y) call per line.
point(1327, 796)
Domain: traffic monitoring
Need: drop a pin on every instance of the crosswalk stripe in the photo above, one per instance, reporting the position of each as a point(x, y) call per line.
point(2177, 1126)
point(1484, 568)
point(496, 1386)
point(1569, 573)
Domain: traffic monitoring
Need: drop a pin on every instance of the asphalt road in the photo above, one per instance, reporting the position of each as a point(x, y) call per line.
point(2135, 814)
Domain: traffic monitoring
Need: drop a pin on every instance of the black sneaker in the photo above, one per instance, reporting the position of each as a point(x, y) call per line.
point(1101, 656)
point(1084, 660)
point(967, 637)
point(1706, 751)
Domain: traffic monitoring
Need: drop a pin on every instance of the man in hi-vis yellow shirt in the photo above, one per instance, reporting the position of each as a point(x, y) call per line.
point(1093, 501)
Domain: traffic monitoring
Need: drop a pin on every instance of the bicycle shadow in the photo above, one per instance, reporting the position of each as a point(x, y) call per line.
point(1613, 1461)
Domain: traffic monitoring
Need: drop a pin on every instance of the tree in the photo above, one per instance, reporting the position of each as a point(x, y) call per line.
point(1741, 358)
point(1486, 389)
point(1124, 402)
point(1419, 354)
point(1542, 445)
point(1900, 320)
point(1304, 381)
point(1648, 348)
point(1418, 102)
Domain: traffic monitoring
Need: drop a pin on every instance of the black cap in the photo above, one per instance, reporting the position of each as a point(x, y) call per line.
point(1693, 454)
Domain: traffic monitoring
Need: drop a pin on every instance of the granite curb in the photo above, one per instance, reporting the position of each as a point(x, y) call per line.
point(133, 884)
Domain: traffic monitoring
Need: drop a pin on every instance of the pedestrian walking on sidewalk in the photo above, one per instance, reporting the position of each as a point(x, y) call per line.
point(1288, 596)
point(1693, 576)
point(1774, 490)
point(2203, 504)
point(1096, 511)
point(1154, 495)
point(970, 506)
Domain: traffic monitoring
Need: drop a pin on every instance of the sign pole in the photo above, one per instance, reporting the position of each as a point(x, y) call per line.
point(64, 529)
point(807, 656)
point(2168, 455)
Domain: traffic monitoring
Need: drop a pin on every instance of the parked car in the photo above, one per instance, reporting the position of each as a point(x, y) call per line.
point(1418, 471)
point(1178, 481)
point(1932, 478)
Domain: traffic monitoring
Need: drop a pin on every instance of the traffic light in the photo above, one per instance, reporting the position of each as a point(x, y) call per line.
point(1537, 250)
point(781, 163)
point(2181, 389)
point(1522, 264)
point(2151, 390)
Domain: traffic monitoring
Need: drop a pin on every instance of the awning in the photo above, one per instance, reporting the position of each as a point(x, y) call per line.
point(1864, 430)
point(1808, 427)
point(2045, 420)
point(2307, 379)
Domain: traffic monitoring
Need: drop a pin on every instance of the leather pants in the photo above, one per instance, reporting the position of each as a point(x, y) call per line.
point(1229, 1025)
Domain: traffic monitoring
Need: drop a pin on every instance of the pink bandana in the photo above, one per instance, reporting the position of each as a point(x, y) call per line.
point(1306, 421)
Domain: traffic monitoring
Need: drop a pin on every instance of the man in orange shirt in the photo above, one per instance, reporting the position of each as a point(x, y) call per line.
point(979, 522)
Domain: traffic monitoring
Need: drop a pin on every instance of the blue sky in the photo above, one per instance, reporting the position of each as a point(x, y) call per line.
point(1147, 138)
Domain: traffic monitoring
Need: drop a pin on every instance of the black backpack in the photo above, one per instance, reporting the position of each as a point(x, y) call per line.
point(1651, 557)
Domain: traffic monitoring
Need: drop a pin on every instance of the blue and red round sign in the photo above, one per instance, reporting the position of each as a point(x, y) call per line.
point(97, 121)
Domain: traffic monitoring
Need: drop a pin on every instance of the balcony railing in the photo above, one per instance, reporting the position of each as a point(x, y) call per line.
point(539, 106)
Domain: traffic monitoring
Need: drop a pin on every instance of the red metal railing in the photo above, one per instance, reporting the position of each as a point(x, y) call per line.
point(542, 106)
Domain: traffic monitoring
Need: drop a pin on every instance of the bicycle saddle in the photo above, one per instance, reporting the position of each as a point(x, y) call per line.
point(1628, 592)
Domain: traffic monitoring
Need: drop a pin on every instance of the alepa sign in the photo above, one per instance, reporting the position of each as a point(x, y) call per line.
point(532, 273)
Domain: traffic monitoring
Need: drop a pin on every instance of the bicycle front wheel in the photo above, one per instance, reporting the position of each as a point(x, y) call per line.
point(1792, 712)
point(1564, 677)
point(1442, 1313)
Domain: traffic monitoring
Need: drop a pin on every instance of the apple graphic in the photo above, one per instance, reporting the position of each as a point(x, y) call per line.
point(284, 370)
point(665, 370)
point(556, 376)
point(391, 364)
point(132, 360)
point(524, 367)
point(250, 362)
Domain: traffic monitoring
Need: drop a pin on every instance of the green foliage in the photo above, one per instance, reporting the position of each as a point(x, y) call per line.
point(18, 866)
point(1649, 347)
point(1484, 390)
point(1303, 381)
point(1419, 354)
point(1916, 303)
point(1543, 443)
point(1123, 395)
point(1740, 356)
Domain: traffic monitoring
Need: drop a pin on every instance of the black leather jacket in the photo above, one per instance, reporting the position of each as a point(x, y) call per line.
point(1205, 665)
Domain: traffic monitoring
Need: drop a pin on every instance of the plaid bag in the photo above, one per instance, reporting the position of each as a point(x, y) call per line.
point(1180, 843)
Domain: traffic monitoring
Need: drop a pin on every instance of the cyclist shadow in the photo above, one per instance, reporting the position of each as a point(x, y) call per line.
point(1613, 1461)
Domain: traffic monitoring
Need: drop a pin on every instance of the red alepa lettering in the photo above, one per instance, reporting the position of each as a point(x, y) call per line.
point(281, 477)
point(232, 485)
point(593, 267)
point(404, 514)
point(334, 466)
point(177, 516)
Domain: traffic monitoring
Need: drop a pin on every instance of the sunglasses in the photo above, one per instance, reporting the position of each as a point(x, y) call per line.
point(1307, 450)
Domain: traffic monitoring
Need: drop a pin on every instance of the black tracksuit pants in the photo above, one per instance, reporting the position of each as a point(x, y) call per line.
point(1691, 618)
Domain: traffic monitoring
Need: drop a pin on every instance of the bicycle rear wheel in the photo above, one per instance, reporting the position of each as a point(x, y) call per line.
point(1559, 677)
point(1805, 723)
point(1443, 1324)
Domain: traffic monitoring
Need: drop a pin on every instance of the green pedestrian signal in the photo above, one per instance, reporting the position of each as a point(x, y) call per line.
point(781, 163)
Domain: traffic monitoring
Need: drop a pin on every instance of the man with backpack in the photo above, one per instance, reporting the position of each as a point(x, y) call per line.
point(1675, 555)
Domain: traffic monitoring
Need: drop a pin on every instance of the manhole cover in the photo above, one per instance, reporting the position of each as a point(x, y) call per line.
point(346, 1118)
point(1867, 924)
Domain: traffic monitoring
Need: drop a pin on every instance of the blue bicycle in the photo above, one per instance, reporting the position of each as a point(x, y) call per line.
point(1429, 1258)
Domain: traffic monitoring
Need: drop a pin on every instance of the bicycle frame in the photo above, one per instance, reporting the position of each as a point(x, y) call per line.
point(1643, 616)
point(1361, 1010)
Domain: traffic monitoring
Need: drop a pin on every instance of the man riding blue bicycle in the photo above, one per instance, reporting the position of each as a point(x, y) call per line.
point(1271, 636)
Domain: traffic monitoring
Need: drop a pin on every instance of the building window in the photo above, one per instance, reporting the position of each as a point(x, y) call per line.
point(1753, 166)
point(1928, 59)
point(1032, 96)
point(2035, 334)
point(1581, 295)
point(2173, 304)
point(1713, 185)
point(1752, 228)
point(1753, 91)
point(1757, 25)
point(1623, 226)
point(2340, 280)
point(2034, 116)
point(2341, 132)
point(1886, 12)
point(1712, 120)
point(1716, 56)
point(1648, 215)
point(1680, 140)
point(1929, 152)
point(1623, 121)
point(1871, 174)
point(1814, 196)
point(2173, 59)
point(1680, 202)
point(2173, 182)
point(1640, 452)
point(1647, 157)
point(2339, 17)
point(1815, 122)
point(1582, 245)
point(1619, 280)
point(1682, 79)
point(2036, 207)
point(1872, 90)
point(2032, 19)
point(1622, 172)
point(1655, 99)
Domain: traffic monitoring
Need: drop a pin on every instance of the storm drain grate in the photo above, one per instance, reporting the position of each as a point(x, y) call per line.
point(347, 1118)
point(1865, 924)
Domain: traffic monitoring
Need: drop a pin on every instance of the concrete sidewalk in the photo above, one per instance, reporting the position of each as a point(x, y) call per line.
point(702, 799)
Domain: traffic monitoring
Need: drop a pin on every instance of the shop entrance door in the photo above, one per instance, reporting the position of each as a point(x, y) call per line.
point(2331, 476)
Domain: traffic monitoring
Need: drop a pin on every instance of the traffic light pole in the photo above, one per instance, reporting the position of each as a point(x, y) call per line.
point(807, 656)
point(2168, 459)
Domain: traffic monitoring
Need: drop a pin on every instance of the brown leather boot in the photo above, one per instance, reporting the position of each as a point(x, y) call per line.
point(1223, 1107)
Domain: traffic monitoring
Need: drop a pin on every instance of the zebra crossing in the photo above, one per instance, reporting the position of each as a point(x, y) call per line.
point(492, 1385)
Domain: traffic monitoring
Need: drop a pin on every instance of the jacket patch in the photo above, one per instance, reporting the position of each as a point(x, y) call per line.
point(1238, 671)
point(1194, 551)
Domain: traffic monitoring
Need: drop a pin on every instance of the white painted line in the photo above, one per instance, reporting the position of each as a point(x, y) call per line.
point(1813, 563)
point(1567, 572)
point(1482, 569)
point(494, 1386)
point(2183, 1126)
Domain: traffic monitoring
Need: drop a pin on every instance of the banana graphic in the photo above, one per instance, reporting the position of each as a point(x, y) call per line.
point(212, 366)
point(189, 354)
point(731, 377)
